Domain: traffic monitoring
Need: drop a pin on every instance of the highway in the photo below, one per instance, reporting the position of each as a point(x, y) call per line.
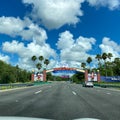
point(61, 101)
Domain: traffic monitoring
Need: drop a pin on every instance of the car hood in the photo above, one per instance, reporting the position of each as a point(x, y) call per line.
point(30, 118)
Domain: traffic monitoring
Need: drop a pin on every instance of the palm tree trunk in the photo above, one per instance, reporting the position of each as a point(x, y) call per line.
point(105, 68)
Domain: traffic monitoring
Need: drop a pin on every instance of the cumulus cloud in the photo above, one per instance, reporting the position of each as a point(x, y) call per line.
point(55, 13)
point(35, 33)
point(24, 28)
point(4, 58)
point(85, 43)
point(74, 50)
point(13, 47)
point(65, 37)
point(29, 31)
point(111, 4)
point(10, 25)
point(26, 52)
point(109, 46)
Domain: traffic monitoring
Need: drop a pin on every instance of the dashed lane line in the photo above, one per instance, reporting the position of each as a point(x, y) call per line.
point(38, 92)
point(74, 93)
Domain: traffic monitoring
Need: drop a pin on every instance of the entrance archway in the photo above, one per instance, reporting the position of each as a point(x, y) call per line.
point(86, 75)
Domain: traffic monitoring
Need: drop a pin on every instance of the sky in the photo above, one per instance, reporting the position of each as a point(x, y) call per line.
point(66, 32)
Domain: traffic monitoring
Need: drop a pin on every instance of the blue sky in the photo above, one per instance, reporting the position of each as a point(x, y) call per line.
point(64, 31)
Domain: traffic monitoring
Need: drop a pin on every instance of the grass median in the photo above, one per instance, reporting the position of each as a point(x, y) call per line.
point(108, 84)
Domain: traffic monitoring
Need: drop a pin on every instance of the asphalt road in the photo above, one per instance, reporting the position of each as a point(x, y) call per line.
point(61, 101)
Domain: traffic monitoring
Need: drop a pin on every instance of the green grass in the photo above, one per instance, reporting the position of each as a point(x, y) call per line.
point(107, 84)
point(6, 87)
point(41, 83)
point(112, 83)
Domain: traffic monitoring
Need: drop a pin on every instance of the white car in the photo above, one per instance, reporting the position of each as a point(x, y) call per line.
point(88, 84)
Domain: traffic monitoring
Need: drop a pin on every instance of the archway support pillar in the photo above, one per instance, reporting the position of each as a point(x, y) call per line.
point(86, 75)
point(32, 77)
point(44, 75)
point(98, 76)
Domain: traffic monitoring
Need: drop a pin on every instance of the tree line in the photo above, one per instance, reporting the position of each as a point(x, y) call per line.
point(106, 66)
point(13, 74)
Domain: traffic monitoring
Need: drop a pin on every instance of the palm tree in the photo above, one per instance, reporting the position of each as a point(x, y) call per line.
point(38, 65)
point(41, 58)
point(83, 65)
point(46, 62)
point(109, 57)
point(99, 57)
point(104, 57)
point(34, 58)
point(89, 60)
point(116, 60)
point(116, 66)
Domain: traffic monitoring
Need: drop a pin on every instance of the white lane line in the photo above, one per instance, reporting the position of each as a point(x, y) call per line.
point(38, 91)
point(16, 100)
point(108, 93)
point(74, 93)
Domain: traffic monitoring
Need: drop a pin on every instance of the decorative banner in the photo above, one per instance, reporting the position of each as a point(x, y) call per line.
point(92, 77)
point(110, 79)
point(64, 70)
point(38, 77)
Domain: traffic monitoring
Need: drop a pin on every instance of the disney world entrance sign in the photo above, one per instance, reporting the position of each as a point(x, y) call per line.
point(65, 70)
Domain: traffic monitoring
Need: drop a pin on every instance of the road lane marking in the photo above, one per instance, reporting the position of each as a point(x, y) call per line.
point(38, 91)
point(16, 101)
point(74, 93)
point(108, 93)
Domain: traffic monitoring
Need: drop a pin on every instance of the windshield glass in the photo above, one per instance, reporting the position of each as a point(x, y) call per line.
point(60, 59)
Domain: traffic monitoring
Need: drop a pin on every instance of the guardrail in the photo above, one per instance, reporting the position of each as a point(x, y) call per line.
point(14, 85)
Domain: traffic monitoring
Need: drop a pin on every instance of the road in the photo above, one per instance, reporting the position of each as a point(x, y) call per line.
point(61, 101)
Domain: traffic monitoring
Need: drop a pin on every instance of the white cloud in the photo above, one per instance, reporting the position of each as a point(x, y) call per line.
point(74, 51)
point(109, 46)
point(85, 43)
point(55, 13)
point(10, 25)
point(24, 28)
point(27, 30)
point(35, 33)
point(14, 47)
point(65, 40)
point(4, 58)
point(111, 4)
point(26, 52)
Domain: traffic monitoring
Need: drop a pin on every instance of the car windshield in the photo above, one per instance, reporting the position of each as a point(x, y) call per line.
point(60, 59)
